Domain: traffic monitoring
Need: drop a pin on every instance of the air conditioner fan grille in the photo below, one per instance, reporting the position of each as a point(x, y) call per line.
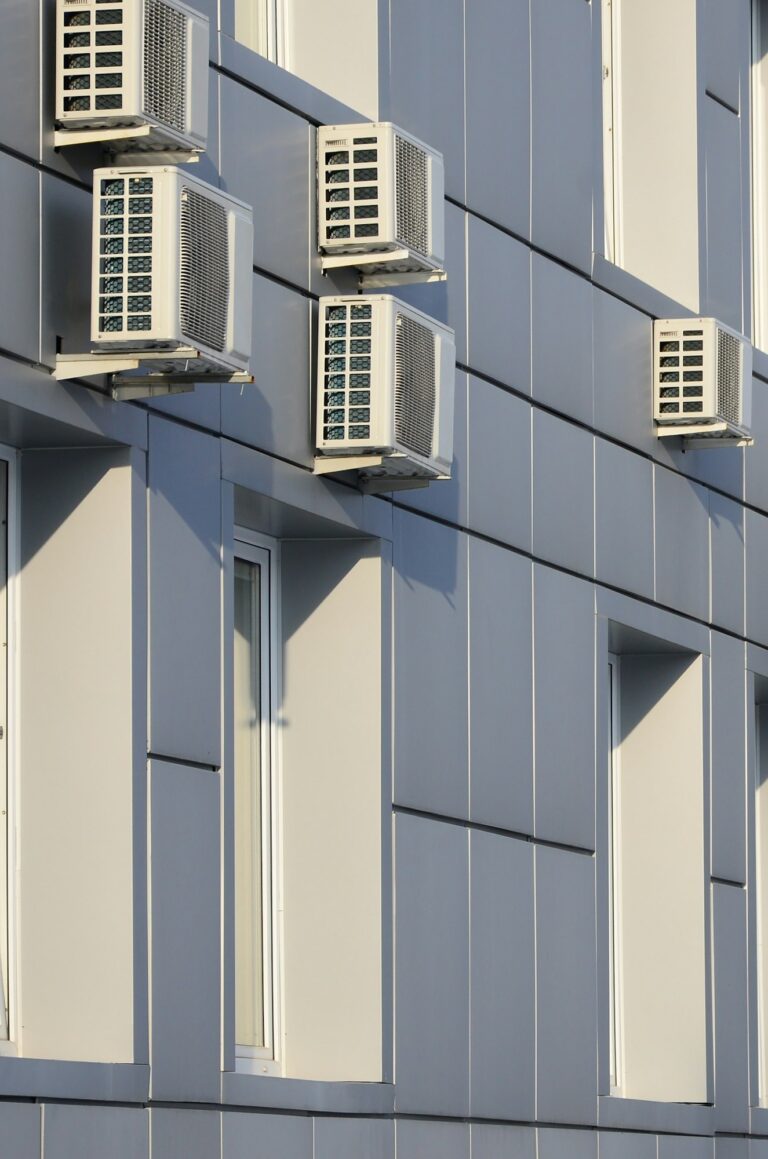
point(204, 272)
point(414, 385)
point(165, 64)
point(729, 355)
point(412, 182)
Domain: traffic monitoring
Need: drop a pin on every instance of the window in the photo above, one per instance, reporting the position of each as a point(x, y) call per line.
point(760, 169)
point(656, 874)
point(307, 944)
point(650, 143)
point(255, 765)
point(332, 44)
point(6, 787)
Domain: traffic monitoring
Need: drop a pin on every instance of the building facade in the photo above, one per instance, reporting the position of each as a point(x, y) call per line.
point(429, 823)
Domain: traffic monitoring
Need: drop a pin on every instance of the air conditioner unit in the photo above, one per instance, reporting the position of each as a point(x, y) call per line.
point(380, 200)
point(702, 373)
point(133, 70)
point(385, 387)
point(172, 266)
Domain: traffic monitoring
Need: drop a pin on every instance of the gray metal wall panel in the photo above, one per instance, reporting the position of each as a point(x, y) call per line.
point(623, 519)
point(562, 374)
point(265, 159)
point(19, 258)
point(426, 76)
point(498, 102)
point(20, 1130)
point(353, 1138)
point(185, 971)
point(729, 933)
point(682, 544)
point(563, 493)
point(417, 1140)
point(566, 1054)
point(723, 294)
point(498, 305)
point(726, 535)
point(562, 121)
point(431, 969)
point(184, 593)
point(185, 1133)
point(273, 414)
point(254, 1136)
point(71, 1132)
point(492, 1141)
point(500, 690)
point(499, 455)
point(502, 974)
point(430, 662)
point(729, 775)
point(756, 539)
point(564, 696)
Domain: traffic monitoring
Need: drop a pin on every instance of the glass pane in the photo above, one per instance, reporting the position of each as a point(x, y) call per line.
point(249, 788)
point(4, 930)
point(252, 25)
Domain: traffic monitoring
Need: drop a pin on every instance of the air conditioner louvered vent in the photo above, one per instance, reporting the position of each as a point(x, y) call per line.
point(89, 77)
point(414, 385)
point(729, 377)
point(125, 255)
point(204, 272)
point(165, 64)
point(347, 372)
point(412, 182)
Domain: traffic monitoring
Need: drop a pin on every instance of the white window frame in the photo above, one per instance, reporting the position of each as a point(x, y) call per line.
point(614, 812)
point(263, 551)
point(609, 16)
point(759, 143)
point(268, 17)
point(9, 743)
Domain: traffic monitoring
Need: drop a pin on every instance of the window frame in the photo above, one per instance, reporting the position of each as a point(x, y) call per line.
point(271, 16)
point(9, 877)
point(759, 170)
point(616, 1061)
point(253, 548)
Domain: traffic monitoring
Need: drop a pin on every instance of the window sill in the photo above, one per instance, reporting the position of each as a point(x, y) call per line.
point(647, 298)
point(297, 94)
point(645, 1114)
point(53, 1078)
point(248, 1090)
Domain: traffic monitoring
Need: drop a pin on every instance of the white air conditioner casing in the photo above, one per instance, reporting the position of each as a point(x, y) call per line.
point(139, 64)
point(385, 387)
point(702, 379)
point(172, 265)
point(380, 197)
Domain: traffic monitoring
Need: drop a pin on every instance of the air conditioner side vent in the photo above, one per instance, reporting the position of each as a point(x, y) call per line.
point(729, 376)
point(204, 269)
point(165, 64)
point(414, 385)
point(412, 190)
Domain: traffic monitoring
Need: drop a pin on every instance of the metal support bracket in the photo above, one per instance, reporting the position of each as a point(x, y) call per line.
point(705, 436)
point(383, 276)
point(166, 154)
point(368, 483)
point(171, 372)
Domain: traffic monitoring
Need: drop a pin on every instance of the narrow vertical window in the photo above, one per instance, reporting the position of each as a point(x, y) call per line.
point(613, 872)
point(256, 26)
point(253, 760)
point(761, 893)
point(5, 788)
point(759, 170)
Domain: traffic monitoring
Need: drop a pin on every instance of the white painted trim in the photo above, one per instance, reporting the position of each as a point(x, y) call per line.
point(264, 551)
point(9, 1046)
point(614, 812)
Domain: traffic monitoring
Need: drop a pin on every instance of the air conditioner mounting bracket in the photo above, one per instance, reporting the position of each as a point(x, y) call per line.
point(172, 376)
point(705, 436)
point(382, 277)
point(111, 136)
point(372, 484)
